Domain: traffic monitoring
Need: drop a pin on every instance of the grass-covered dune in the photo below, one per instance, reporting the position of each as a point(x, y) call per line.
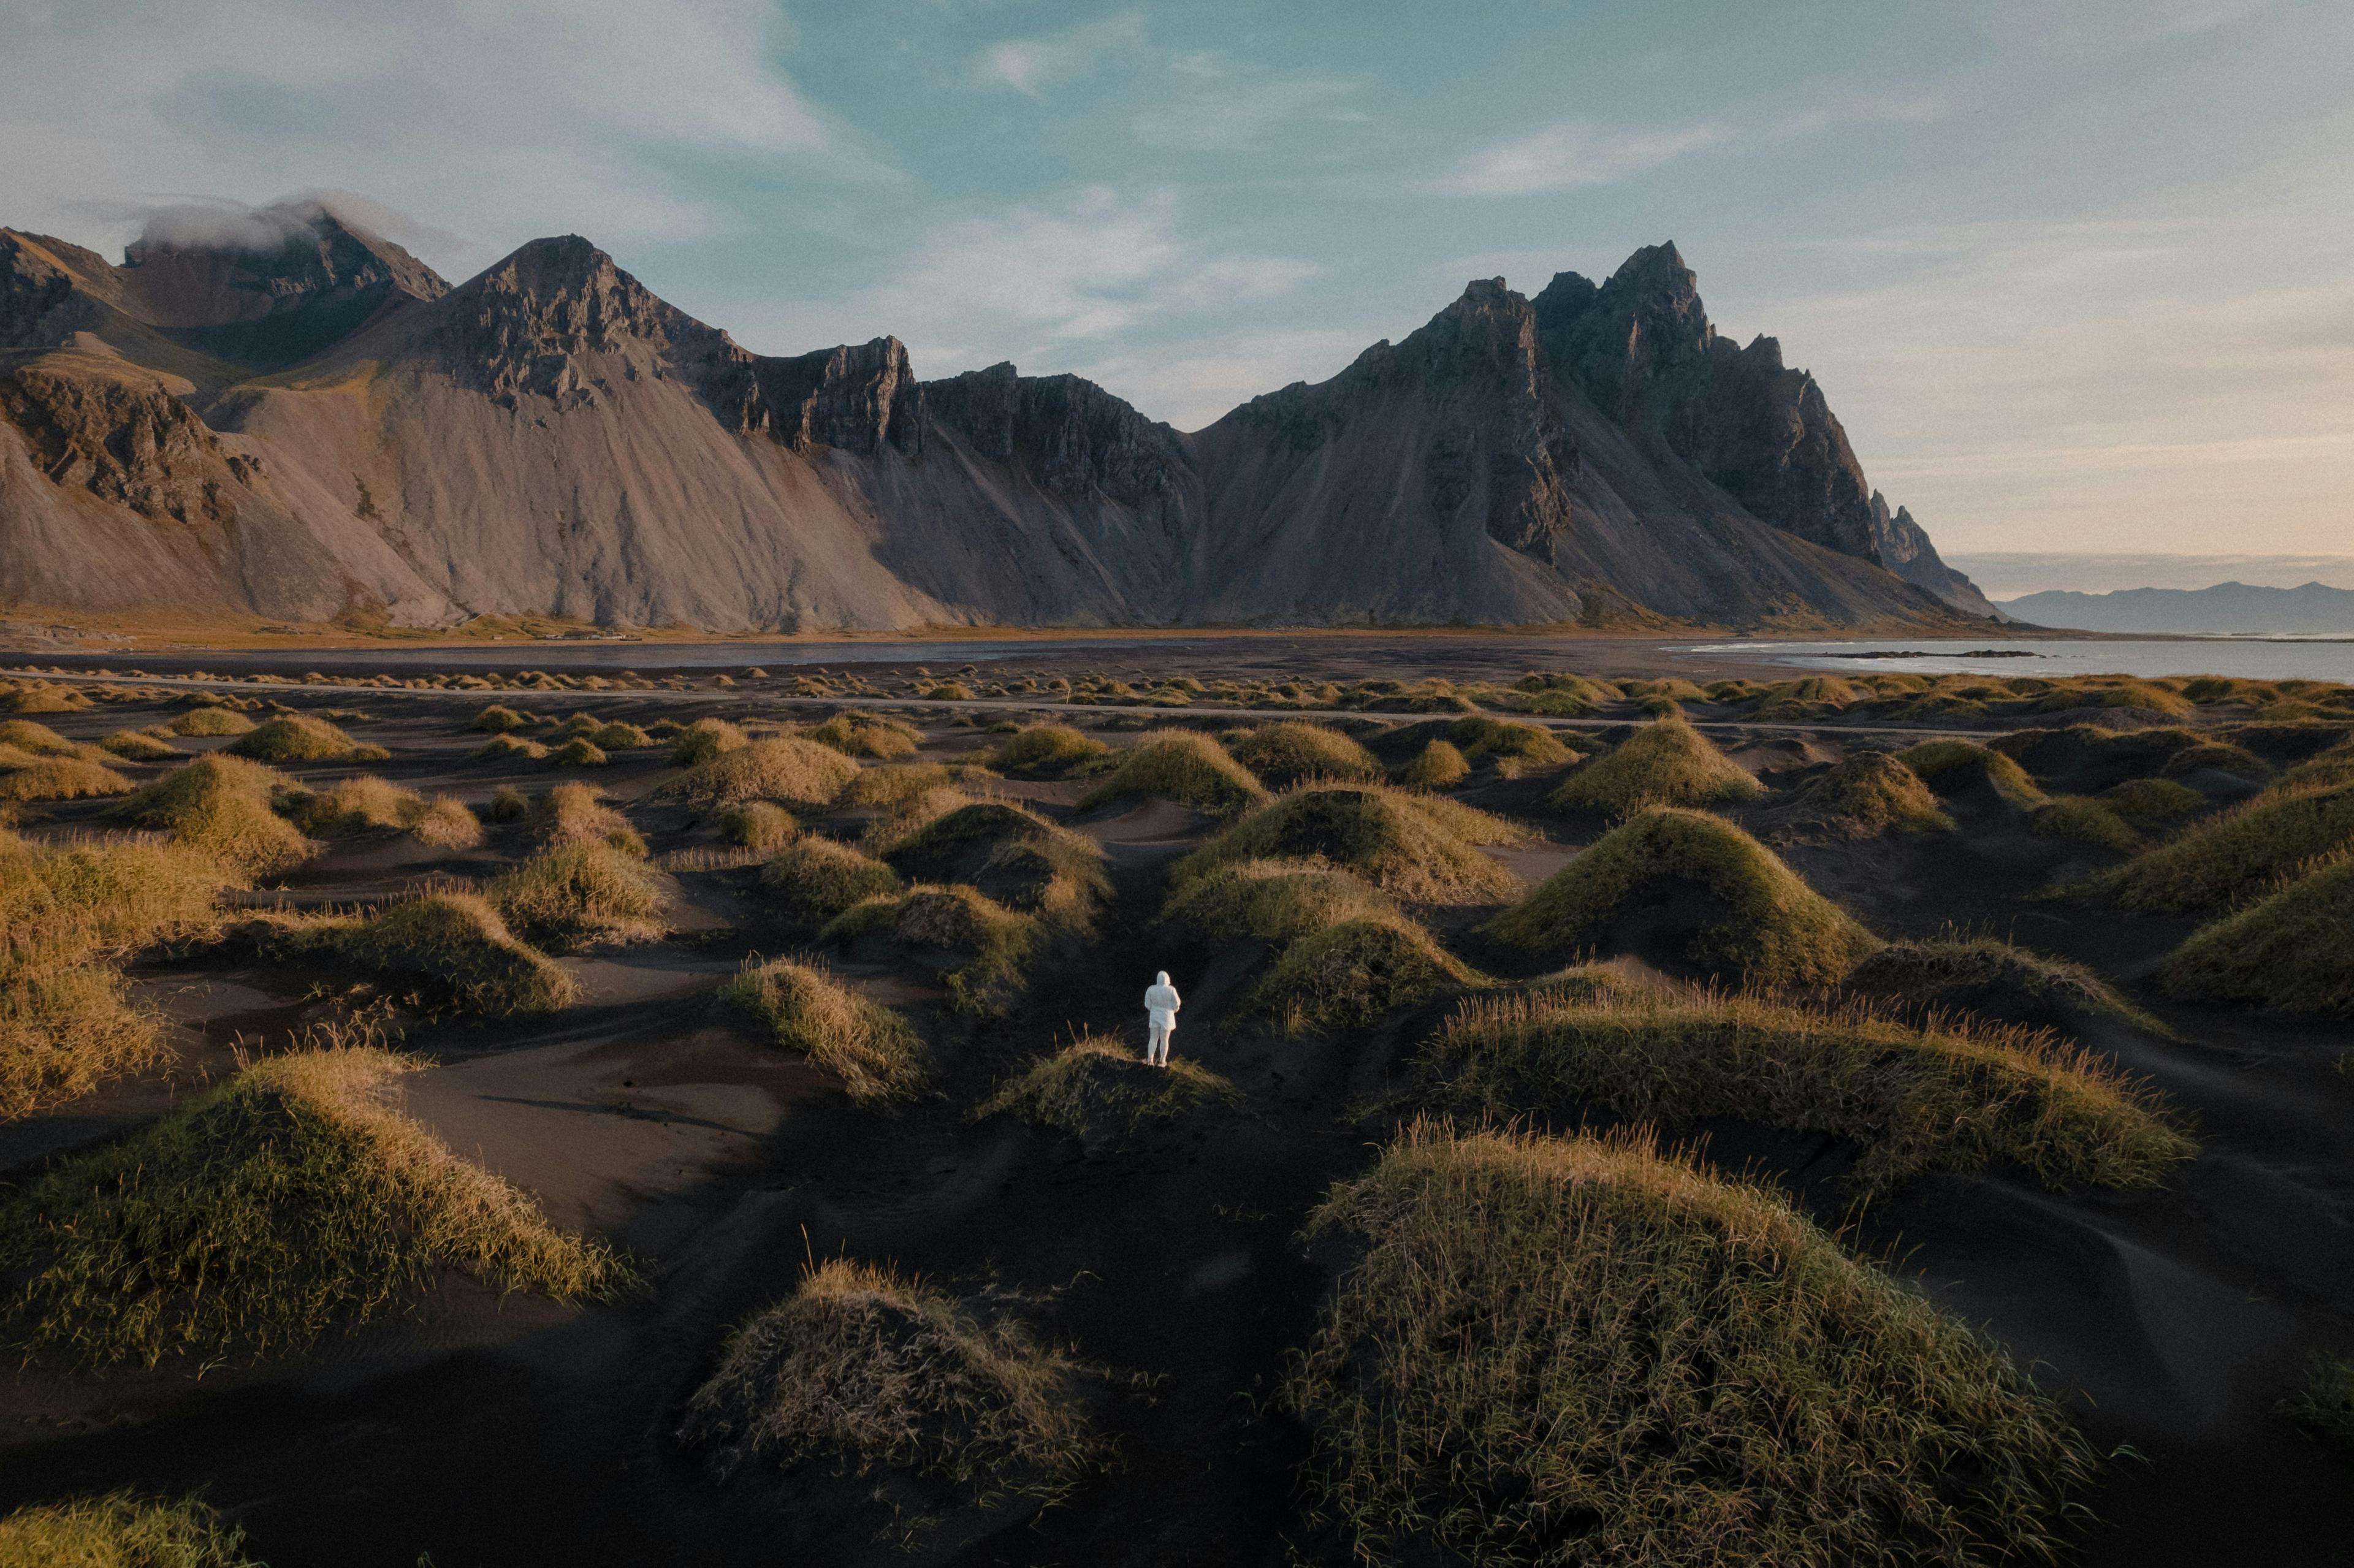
point(1953, 768)
point(68, 913)
point(2236, 855)
point(573, 813)
point(574, 896)
point(1862, 797)
point(257, 1215)
point(1721, 899)
point(1104, 1093)
point(1991, 980)
point(1914, 1098)
point(1183, 766)
point(814, 879)
point(787, 768)
point(1667, 763)
point(1273, 900)
point(984, 950)
point(876, 1053)
point(863, 1369)
point(1014, 855)
point(854, 732)
point(1047, 749)
point(1416, 847)
point(223, 806)
point(1345, 976)
point(122, 1530)
point(2292, 949)
point(443, 949)
point(1566, 1352)
point(1283, 755)
point(303, 738)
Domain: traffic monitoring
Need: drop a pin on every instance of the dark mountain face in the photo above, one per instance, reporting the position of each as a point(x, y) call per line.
point(552, 436)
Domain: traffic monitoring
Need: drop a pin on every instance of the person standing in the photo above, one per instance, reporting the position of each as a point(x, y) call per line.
point(1160, 1005)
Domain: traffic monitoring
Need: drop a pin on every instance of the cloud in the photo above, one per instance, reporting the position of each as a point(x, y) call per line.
point(1217, 106)
point(1029, 65)
point(497, 119)
point(222, 223)
point(1570, 154)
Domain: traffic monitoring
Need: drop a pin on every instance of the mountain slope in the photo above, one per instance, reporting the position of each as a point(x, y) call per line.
point(319, 427)
point(2312, 609)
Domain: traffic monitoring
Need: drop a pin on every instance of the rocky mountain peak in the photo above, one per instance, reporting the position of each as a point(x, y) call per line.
point(859, 397)
point(1071, 435)
point(270, 261)
point(525, 323)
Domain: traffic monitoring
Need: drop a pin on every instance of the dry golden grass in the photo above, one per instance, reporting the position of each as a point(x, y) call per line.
point(758, 825)
point(876, 1053)
point(500, 719)
point(1808, 697)
point(509, 748)
point(137, 745)
point(2292, 949)
point(1864, 797)
point(1346, 976)
point(858, 734)
point(1014, 855)
point(1560, 695)
point(1668, 763)
point(704, 740)
point(2147, 804)
point(371, 804)
point(211, 721)
point(121, 1530)
point(223, 806)
point(574, 813)
point(446, 950)
point(1183, 766)
point(1105, 1094)
point(256, 1216)
point(1048, 748)
point(984, 949)
point(2079, 818)
point(815, 879)
point(33, 739)
point(1566, 1352)
point(785, 768)
point(1731, 905)
point(41, 697)
point(1274, 900)
point(2236, 855)
point(303, 737)
point(1283, 755)
point(28, 778)
point(582, 895)
point(896, 785)
point(1978, 975)
point(862, 1368)
point(577, 752)
point(1949, 767)
point(1417, 847)
point(1437, 766)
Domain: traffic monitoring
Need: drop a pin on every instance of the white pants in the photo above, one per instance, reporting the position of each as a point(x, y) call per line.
point(1156, 1042)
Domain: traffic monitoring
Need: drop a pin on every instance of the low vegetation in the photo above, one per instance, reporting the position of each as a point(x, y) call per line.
point(704, 740)
point(578, 752)
point(2292, 949)
point(1102, 1092)
point(1718, 898)
point(2235, 856)
point(1862, 797)
point(137, 746)
point(573, 813)
point(223, 806)
point(758, 824)
point(1951, 767)
point(1048, 748)
point(876, 1053)
point(1184, 766)
point(859, 734)
point(442, 950)
point(2324, 1405)
point(1556, 1352)
point(122, 1530)
point(368, 804)
point(210, 720)
point(1991, 980)
point(896, 785)
point(582, 895)
point(1348, 975)
point(785, 768)
point(303, 737)
point(500, 719)
point(983, 949)
point(863, 1369)
point(509, 748)
point(1416, 847)
point(27, 777)
point(255, 1216)
point(814, 879)
point(1283, 755)
point(1437, 766)
point(2080, 819)
point(1014, 855)
point(1274, 900)
point(1913, 1097)
point(1664, 764)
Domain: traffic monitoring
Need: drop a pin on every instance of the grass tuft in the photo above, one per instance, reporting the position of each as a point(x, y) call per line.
point(27, 777)
point(254, 1217)
point(574, 813)
point(1438, 766)
point(815, 879)
point(450, 950)
point(983, 949)
point(1283, 755)
point(2289, 951)
point(1950, 766)
point(1554, 1353)
point(1048, 748)
point(1667, 763)
point(122, 1530)
point(500, 719)
point(785, 768)
point(862, 1368)
point(758, 824)
point(1014, 855)
point(1716, 896)
point(302, 737)
point(1180, 764)
point(1345, 976)
point(137, 745)
point(1103, 1093)
point(878, 736)
point(1417, 847)
point(209, 721)
point(1863, 798)
point(1994, 981)
point(704, 740)
point(222, 805)
point(2237, 855)
point(1274, 900)
point(578, 895)
point(876, 1053)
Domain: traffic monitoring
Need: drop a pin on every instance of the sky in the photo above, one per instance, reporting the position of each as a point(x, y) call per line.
point(2075, 278)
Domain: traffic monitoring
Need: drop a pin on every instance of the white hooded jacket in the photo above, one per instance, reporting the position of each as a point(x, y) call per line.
point(1162, 1001)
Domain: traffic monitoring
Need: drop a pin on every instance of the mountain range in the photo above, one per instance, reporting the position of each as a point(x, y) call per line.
point(2312, 609)
point(320, 428)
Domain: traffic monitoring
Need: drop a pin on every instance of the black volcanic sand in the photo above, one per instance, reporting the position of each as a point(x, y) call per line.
point(482, 1431)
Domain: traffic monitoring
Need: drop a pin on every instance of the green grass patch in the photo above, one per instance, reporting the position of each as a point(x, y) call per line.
point(1437, 766)
point(253, 1217)
point(2324, 1405)
point(863, 1369)
point(1283, 755)
point(2148, 804)
point(876, 1053)
point(1718, 898)
point(2236, 855)
point(1014, 855)
point(2079, 818)
point(1553, 1353)
point(2292, 949)
point(1950, 766)
point(1180, 764)
point(815, 879)
point(1103, 1093)
point(1274, 900)
point(1348, 975)
point(1667, 763)
point(1417, 847)
point(1864, 797)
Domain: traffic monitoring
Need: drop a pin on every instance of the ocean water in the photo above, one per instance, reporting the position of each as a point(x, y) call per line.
point(2251, 658)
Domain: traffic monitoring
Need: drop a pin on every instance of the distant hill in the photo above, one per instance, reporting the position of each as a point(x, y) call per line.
point(327, 429)
point(2223, 608)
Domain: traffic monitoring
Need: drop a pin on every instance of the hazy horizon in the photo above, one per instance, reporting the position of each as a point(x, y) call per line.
point(2080, 275)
